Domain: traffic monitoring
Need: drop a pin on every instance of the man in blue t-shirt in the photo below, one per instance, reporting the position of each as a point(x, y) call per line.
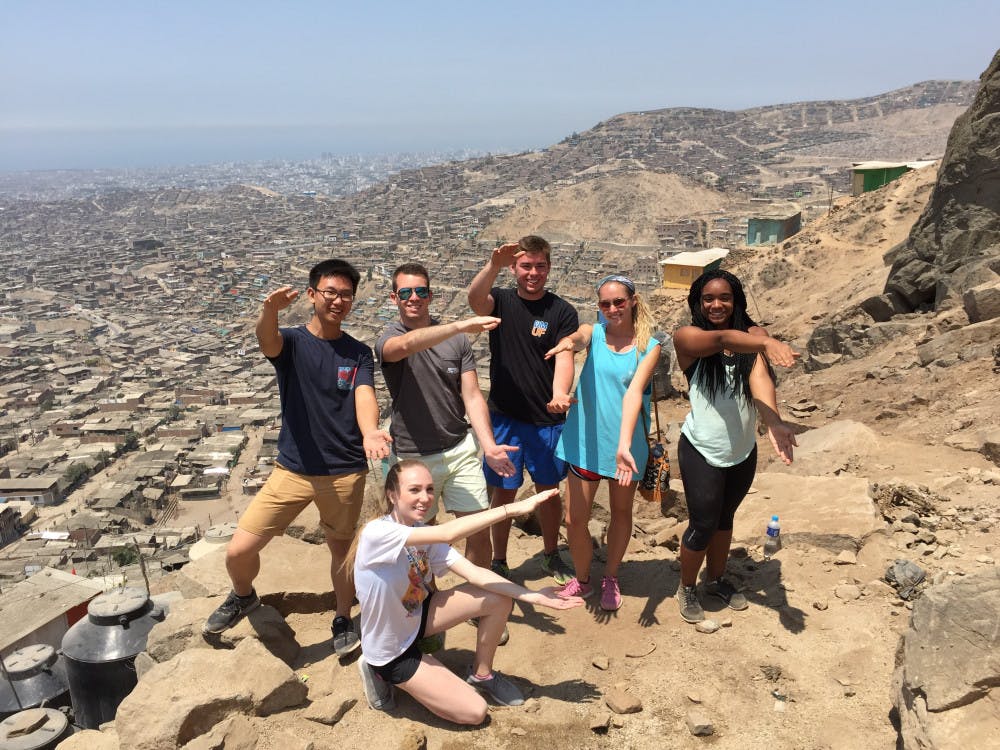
point(329, 428)
point(529, 394)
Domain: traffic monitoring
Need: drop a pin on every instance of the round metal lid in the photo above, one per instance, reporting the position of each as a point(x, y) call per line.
point(31, 729)
point(221, 533)
point(29, 658)
point(117, 603)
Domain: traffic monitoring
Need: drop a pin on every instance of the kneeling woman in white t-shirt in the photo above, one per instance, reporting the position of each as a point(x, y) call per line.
point(396, 560)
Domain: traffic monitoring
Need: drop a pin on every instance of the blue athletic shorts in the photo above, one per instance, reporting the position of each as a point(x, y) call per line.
point(537, 454)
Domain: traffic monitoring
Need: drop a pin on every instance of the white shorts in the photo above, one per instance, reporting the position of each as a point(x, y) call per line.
point(458, 477)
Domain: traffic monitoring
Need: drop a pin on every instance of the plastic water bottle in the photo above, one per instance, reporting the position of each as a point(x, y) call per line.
point(772, 540)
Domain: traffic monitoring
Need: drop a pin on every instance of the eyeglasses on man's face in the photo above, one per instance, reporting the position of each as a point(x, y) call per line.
point(607, 304)
point(404, 293)
point(332, 295)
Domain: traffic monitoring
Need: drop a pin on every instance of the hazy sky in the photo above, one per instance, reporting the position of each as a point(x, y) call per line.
point(92, 83)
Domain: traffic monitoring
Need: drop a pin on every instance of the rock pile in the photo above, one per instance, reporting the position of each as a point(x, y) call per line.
point(943, 286)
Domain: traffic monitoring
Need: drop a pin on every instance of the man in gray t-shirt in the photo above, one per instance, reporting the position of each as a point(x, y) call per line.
point(431, 376)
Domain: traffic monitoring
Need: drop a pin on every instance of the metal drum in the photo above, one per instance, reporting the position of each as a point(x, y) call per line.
point(34, 729)
point(36, 677)
point(217, 537)
point(99, 653)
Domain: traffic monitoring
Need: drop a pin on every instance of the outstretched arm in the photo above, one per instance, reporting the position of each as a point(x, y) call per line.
point(400, 347)
point(766, 399)
point(460, 528)
point(479, 415)
point(490, 581)
point(562, 376)
point(480, 299)
point(631, 406)
point(376, 441)
point(575, 342)
point(268, 334)
point(691, 343)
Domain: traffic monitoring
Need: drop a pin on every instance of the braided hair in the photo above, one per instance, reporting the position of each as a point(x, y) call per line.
point(713, 368)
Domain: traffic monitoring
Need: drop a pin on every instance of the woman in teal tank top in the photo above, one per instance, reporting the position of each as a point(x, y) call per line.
point(621, 357)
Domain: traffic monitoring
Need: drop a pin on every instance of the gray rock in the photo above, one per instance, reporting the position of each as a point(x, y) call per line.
point(699, 723)
point(330, 708)
point(971, 342)
point(622, 702)
point(414, 738)
point(706, 626)
point(181, 630)
point(948, 664)
point(294, 577)
point(234, 733)
point(185, 697)
point(982, 302)
point(846, 557)
point(91, 739)
point(600, 720)
point(960, 225)
point(848, 592)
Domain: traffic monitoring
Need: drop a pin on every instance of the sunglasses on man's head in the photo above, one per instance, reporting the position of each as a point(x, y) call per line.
point(423, 292)
point(607, 304)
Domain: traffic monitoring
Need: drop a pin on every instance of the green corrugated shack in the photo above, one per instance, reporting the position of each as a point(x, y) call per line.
point(871, 175)
point(768, 230)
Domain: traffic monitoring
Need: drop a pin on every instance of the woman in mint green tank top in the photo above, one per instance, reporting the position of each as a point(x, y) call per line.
point(621, 356)
point(730, 385)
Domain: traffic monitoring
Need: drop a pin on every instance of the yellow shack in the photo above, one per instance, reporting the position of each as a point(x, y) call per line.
point(680, 270)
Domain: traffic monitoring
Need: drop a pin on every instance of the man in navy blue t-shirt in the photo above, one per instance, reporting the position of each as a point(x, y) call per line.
point(329, 428)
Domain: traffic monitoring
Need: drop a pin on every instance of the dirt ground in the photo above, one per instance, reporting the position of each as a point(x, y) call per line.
point(804, 666)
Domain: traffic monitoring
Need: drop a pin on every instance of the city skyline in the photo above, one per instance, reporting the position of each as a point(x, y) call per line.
point(110, 84)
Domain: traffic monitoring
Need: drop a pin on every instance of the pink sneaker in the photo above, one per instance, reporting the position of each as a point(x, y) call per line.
point(611, 595)
point(574, 588)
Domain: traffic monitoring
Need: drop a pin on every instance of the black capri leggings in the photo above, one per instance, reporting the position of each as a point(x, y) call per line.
point(713, 494)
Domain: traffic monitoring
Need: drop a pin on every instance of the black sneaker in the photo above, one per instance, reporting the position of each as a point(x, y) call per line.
point(728, 594)
point(230, 612)
point(687, 598)
point(345, 637)
point(553, 564)
point(501, 568)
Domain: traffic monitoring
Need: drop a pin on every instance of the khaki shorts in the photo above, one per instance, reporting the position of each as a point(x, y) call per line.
point(285, 494)
point(458, 477)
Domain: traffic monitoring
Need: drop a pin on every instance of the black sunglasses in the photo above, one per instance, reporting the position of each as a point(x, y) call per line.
point(408, 291)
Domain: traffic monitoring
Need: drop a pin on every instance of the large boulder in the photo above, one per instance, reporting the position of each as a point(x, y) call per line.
point(948, 666)
point(294, 576)
point(183, 698)
point(181, 630)
point(961, 224)
point(834, 513)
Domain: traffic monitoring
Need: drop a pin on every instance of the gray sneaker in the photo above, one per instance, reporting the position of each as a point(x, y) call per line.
point(499, 688)
point(728, 594)
point(553, 564)
point(345, 637)
point(687, 598)
point(378, 692)
point(230, 612)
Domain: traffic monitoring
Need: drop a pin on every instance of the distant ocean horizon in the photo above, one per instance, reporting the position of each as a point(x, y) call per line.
point(150, 148)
